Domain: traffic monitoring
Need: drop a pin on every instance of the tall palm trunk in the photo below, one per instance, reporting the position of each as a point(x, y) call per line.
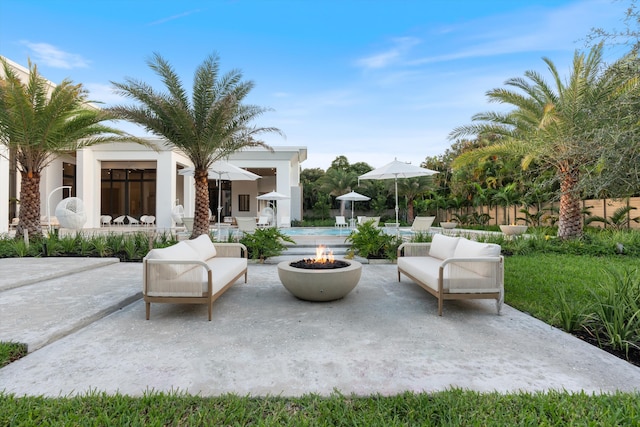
point(201, 218)
point(29, 206)
point(570, 217)
point(410, 211)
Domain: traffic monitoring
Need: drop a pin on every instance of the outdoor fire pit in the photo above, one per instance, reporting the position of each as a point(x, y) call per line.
point(320, 279)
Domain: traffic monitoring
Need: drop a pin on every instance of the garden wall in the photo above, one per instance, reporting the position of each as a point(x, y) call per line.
point(596, 207)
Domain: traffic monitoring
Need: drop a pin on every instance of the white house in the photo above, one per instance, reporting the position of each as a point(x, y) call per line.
point(130, 179)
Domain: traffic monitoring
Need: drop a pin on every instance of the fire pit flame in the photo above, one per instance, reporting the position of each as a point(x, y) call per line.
point(322, 256)
point(324, 260)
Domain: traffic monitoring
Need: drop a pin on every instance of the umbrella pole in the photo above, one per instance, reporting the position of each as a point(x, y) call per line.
point(397, 223)
point(396, 182)
point(219, 205)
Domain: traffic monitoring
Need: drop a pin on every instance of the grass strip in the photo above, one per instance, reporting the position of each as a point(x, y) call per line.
point(450, 407)
point(11, 351)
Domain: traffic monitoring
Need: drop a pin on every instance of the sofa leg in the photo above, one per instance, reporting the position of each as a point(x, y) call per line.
point(439, 306)
point(210, 310)
point(148, 309)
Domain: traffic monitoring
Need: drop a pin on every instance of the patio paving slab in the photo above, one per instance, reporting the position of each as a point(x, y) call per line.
point(384, 337)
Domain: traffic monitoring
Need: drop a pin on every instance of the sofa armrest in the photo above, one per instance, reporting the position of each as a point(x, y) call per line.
point(414, 249)
point(471, 259)
point(231, 250)
point(152, 279)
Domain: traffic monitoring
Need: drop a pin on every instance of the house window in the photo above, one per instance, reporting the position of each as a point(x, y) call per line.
point(243, 202)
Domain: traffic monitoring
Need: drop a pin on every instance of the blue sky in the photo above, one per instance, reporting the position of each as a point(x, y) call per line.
point(371, 80)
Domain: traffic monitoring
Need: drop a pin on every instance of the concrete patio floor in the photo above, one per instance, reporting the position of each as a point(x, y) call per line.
point(84, 322)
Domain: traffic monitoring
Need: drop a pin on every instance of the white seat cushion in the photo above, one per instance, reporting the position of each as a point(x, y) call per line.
point(222, 271)
point(426, 270)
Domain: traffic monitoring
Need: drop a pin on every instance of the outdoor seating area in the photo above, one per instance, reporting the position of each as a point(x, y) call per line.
point(264, 341)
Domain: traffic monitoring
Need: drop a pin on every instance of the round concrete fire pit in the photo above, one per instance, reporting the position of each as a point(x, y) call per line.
point(320, 284)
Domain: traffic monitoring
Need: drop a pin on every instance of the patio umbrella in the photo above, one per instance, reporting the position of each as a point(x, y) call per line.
point(395, 170)
point(222, 170)
point(274, 195)
point(353, 197)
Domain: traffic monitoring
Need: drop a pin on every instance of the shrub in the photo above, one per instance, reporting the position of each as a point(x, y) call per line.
point(371, 242)
point(616, 318)
point(265, 242)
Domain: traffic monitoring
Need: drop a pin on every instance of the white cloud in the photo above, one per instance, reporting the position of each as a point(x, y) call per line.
point(46, 54)
point(402, 45)
point(174, 17)
point(528, 30)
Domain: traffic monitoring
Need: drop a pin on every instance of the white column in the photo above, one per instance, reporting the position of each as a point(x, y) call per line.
point(165, 189)
point(283, 186)
point(4, 189)
point(189, 202)
point(88, 173)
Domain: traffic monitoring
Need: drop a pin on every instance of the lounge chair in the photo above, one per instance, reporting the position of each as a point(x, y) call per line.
point(246, 225)
point(105, 220)
point(341, 222)
point(147, 220)
point(285, 222)
point(422, 224)
point(263, 222)
point(375, 220)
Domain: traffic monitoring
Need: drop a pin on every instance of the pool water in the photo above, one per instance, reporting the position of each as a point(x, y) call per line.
point(315, 231)
point(322, 231)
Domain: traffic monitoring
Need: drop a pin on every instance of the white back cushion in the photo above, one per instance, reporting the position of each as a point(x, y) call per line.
point(442, 246)
point(470, 249)
point(181, 251)
point(203, 246)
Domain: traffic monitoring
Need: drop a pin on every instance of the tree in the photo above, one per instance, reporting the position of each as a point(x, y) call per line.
point(38, 123)
point(564, 126)
point(411, 188)
point(210, 126)
point(629, 35)
point(338, 181)
point(309, 179)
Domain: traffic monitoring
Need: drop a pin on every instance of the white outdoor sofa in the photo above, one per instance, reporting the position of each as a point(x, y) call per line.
point(452, 268)
point(192, 272)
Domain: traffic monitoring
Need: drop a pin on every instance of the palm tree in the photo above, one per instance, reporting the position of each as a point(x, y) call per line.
point(565, 126)
point(39, 122)
point(508, 196)
point(411, 188)
point(210, 126)
point(338, 181)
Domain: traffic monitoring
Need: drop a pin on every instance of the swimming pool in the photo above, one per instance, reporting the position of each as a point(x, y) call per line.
point(323, 231)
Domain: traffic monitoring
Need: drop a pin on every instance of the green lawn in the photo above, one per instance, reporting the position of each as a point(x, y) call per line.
point(531, 281)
